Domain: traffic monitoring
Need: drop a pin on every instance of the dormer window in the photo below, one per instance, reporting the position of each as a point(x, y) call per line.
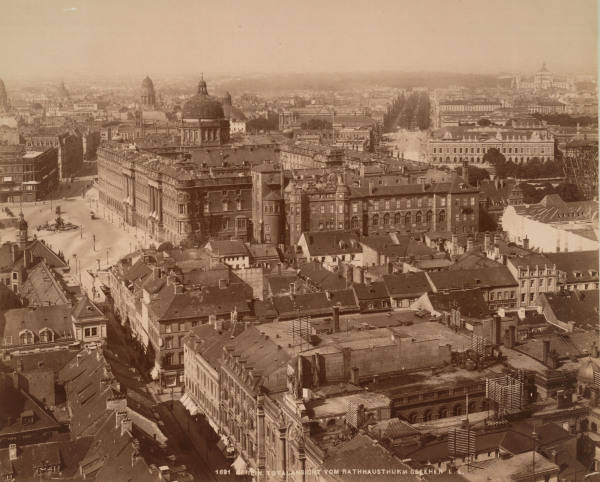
point(26, 337)
point(46, 335)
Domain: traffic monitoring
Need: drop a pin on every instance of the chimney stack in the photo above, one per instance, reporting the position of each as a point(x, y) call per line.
point(496, 324)
point(336, 319)
point(526, 243)
point(546, 352)
point(12, 452)
point(512, 336)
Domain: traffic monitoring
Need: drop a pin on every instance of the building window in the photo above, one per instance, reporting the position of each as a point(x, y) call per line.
point(354, 207)
point(428, 217)
point(354, 222)
point(418, 217)
point(375, 220)
point(442, 216)
point(90, 332)
point(225, 206)
point(386, 219)
point(407, 219)
point(239, 205)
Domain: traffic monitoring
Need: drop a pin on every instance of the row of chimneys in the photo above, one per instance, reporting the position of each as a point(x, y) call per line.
point(171, 279)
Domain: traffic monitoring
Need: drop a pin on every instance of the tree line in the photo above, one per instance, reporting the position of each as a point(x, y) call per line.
point(408, 112)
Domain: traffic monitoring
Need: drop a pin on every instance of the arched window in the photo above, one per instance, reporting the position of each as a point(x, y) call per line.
point(442, 216)
point(354, 222)
point(428, 217)
point(407, 219)
point(412, 418)
point(443, 412)
point(375, 220)
point(386, 219)
point(457, 410)
point(397, 218)
point(418, 217)
point(427, 416)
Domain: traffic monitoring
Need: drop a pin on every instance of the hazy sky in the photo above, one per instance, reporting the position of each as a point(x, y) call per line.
point(159, 37)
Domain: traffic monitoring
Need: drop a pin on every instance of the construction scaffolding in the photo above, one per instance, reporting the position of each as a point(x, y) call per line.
point(580, 165)
point(507, 394)
point(461, 442)
point(478, 344)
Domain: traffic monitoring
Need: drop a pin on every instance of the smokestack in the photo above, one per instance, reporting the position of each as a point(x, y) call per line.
point(486, 242)
point(546, 352)
point(336, 319)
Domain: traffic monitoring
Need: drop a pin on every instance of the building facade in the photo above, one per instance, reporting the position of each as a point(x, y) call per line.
point(27, 176)
point(411, 208)
point(453, 145)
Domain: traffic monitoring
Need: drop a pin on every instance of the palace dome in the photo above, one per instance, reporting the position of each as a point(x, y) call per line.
point(203, 106)
point(585, 374)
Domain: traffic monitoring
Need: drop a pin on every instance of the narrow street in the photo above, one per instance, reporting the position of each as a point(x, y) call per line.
point(123, 363)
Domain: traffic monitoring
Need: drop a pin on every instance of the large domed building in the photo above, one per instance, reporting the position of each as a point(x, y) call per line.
point(148, 96)
point(203, 121)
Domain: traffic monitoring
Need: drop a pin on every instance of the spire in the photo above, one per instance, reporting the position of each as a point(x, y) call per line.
point(202, 90)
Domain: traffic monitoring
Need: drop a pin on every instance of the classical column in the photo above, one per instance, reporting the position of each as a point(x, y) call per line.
point(282, 457)
point(260, 437)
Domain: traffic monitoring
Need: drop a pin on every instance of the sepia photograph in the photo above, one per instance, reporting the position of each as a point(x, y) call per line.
point(311, 241)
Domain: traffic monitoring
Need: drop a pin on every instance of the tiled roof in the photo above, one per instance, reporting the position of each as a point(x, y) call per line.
point(14, 403)
point(374, 291)
point(68, 454)
point(42, 287)
point(86, 309)
point(407, 285)
point(263, 251)
point(470, 303)
point(362, 453)
point(472, 278)
point(210, 300)
point(578, 266)
point(227, 248)
point(323, 243)
point(581, 307)
point(87, 380)
point(208, 343)
point(264, 356)
point(321, 277)
point(57, 318)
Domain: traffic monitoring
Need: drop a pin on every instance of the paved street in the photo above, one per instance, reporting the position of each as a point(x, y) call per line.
point(411, 143)
point(97, 243)
point(122, 359)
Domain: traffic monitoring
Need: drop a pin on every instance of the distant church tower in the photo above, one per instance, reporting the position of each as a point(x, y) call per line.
point(148, 98)
point(22, 235)
point(3, 97)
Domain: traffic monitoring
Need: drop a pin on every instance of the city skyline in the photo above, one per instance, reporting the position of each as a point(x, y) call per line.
point(238, 38)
